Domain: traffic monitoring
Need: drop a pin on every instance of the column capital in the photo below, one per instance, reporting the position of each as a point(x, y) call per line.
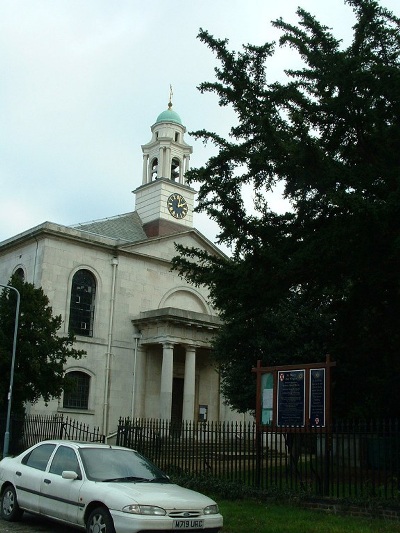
point(191, 347)
point(168, 345)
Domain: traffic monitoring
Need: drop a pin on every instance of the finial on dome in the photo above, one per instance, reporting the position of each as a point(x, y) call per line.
point(170, 97)
point(169, 115)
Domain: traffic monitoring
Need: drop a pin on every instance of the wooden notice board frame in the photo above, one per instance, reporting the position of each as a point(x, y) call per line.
point(294, 397)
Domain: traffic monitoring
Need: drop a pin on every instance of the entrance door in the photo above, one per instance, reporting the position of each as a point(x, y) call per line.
point(177, 407)
point(177, 400)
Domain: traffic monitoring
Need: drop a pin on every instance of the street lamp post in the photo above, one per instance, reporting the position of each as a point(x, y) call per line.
point(9, 398)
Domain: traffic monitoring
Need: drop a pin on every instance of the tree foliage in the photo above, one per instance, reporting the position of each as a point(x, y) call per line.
point(40, 352)
point(324, 276)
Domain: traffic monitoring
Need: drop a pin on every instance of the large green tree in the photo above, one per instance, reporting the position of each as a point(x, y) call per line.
point(323, 277)
point(40, 352)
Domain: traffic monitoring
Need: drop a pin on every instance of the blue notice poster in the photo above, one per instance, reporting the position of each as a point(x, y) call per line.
point(291, 397)
point(317, 397)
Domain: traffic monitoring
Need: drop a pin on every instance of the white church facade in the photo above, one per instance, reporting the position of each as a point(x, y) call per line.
point(147, 332)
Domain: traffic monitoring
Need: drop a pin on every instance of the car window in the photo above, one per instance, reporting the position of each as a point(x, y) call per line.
point(39, 456)
point(111, 463)
point(64, 459)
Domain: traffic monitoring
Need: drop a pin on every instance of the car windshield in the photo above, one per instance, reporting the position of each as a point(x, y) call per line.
point(111, 464)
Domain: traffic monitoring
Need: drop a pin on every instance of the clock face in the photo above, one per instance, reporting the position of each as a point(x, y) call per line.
point(177, 205)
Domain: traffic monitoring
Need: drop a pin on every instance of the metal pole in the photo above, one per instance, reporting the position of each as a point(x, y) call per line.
point(7, 433)
point(114, 264)
point(136, 337)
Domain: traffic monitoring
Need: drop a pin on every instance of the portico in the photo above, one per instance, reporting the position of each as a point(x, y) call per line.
point(182, 340)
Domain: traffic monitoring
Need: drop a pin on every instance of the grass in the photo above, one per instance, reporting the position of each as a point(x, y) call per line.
point(248, 516)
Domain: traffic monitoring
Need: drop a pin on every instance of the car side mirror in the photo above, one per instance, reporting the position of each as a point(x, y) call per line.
point(69, 474)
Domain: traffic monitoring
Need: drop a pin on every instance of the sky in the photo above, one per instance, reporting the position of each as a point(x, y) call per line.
point(83, 81)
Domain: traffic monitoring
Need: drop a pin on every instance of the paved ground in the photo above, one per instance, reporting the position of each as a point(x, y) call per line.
point(33, 524)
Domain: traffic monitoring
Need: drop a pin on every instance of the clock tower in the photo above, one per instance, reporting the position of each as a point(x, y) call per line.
point(164, 201)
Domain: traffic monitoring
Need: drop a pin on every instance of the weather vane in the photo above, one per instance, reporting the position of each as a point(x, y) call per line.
point(170, 96)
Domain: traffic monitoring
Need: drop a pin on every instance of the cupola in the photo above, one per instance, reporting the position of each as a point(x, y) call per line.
point(164, 201)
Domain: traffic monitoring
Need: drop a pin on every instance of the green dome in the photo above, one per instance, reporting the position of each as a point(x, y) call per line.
point(169, 116)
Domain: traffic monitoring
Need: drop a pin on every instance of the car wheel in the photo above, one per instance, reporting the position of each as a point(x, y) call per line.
point(10, 509)
point(100, 521)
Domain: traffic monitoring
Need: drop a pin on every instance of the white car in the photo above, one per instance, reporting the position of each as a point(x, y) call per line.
point(100, 488)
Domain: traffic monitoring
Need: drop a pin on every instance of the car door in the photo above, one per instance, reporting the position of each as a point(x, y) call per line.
point(60, 496)
point(29, 476)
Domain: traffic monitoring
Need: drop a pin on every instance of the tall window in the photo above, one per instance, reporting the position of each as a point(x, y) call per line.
point(175, 169)
point(77, 395)
point(20, 273)
point(81, 312)
point(154, 169)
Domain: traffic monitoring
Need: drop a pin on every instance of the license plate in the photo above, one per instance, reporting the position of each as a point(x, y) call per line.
point(192, 523)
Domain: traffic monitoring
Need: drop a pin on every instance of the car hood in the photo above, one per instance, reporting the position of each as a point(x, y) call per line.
point(165, 495)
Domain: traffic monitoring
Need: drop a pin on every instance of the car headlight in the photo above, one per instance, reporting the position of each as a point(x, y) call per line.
point(144, 509)
point(211, 509)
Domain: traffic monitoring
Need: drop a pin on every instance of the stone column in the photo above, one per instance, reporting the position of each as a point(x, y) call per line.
point(160, 170)
point(183, 170)
point(166, 381)
point(189, 384)
point(187, 163)
point(167, 163)
point(145, 169)
point(139, 383)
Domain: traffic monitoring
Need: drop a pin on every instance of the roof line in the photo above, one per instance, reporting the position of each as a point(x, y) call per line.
point(80, 224)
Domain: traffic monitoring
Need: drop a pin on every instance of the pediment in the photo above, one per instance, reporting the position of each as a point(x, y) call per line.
point(163, 247)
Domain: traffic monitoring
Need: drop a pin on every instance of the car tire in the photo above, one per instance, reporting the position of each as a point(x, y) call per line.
point(100, 521)
point(10, 510)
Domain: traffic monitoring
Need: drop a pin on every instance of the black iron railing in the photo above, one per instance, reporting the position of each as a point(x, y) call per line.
point(30, 429)
point(349, 459)
point(352, 459)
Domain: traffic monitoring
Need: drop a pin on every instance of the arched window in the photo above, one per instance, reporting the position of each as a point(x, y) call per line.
point(175, 169)
point(81, 311)
point(154, 169)
point(20, 273)
point(77, 394)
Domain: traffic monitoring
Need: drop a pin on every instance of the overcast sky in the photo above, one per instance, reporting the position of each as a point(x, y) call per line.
point(82, 81)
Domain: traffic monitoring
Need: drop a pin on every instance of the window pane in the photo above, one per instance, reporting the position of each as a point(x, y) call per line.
point(64, 459)
point(81, 313)
point(106, 463)
point(39, 457)
point(77, 397)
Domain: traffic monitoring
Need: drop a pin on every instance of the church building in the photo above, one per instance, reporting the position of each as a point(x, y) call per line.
point(147, 332)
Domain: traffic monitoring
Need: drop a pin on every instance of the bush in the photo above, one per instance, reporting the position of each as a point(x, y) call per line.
point(230, 490)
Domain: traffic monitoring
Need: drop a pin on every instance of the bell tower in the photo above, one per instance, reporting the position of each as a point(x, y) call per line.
point(164, 201)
